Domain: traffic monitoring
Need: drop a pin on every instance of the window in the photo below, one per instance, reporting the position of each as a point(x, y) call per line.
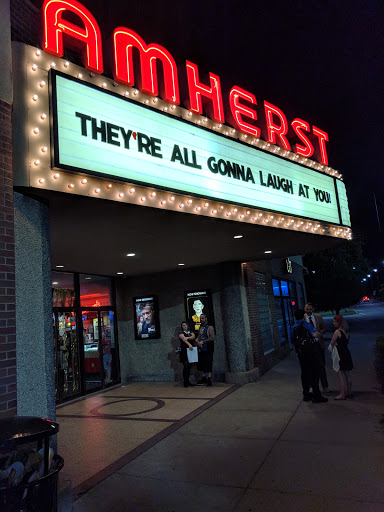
point(63, 289)
point(276, 287)
point(265, 319)
point(284, 288)
point(95, 291)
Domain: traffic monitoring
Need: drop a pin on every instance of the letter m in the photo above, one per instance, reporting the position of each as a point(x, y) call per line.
point(124, 40)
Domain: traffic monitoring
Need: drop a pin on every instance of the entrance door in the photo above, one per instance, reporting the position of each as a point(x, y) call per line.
point(93, 352)
point(66, 345)
point(110, 356)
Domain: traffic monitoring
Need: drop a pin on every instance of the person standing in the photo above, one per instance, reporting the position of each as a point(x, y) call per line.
point(341, 340)
point(303, 341)
point(205, 341)
point(318, 324)
point(187, 339)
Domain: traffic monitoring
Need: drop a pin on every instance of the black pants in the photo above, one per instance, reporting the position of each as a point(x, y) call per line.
point(186, 371)
point(321, 360)
point(310, 366)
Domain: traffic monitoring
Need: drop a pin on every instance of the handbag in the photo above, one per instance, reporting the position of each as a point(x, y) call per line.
point(335, 357)
point(192, 355)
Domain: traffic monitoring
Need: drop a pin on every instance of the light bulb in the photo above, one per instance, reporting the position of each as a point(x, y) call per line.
point(56, 176)
point(84, 181)
point(121, 194)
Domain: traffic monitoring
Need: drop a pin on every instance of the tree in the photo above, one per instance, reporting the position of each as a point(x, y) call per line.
point(334, 276)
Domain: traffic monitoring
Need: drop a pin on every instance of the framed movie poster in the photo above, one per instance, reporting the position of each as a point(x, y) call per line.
point(196, 303)
point(146, 318)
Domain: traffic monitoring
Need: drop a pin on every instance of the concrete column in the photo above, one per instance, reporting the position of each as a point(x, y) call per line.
point(34, 331)
point(236, 327)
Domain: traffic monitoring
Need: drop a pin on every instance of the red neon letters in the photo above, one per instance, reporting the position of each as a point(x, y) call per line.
point(124, 40)
point(196, 90)
point(58, 31)
point(55, 28)
point(238, 110)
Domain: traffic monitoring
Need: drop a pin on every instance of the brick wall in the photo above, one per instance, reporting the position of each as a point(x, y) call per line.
point(7, 269)
point(272, 268)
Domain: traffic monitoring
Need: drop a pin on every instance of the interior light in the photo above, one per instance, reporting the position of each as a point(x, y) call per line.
point(238, 236)
point(71, 185)
point(267, 252)
point(130, 254)
point(55, 282)
point(79, 75)
point(59, 266)
point(66, 64)
point(43, 83)
point(109, 185)
point(132, 190)
point(88, 278)
point(97, 190)
point(181, 264)
point(119, 273)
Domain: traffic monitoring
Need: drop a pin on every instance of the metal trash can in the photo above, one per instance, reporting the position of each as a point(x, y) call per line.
point(31, 484)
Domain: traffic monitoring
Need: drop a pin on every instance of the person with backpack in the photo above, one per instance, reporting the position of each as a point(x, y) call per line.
point(303, 341)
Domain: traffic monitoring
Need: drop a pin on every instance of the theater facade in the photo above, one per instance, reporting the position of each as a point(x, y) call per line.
point(125, 211)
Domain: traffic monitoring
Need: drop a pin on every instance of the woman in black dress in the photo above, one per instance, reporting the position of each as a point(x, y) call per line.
point(187, 339)
point(341, 340)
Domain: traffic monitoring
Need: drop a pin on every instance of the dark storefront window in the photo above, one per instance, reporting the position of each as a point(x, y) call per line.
point(265, 319)
point(85, 338)
point(285, 305)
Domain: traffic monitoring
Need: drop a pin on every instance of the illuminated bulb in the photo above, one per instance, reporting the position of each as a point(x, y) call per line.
point(109, 185)
point(66, 64)
point(181, 205)
point(235, 210)
point(173, 107)
point(146, 101)
point(189, 113)
point(34, 67)
point(132, 190)
point(172, 198)
point(97, 190)
point(71, 185)
point(79, 75)
point(153, 194)
point(36, 162)
point(136, 92)
point(44, 149)
point(233, 131)
point(198, 208)
point(301, 222)
point(271, 217)
point(142, 199)
point(214, 211)
point(205, 120)
point(248, 212)
point(245, 136)
point(43, 116)
point(226, 133)
point(126, 93)
point(228, 214)
point(43, 83)
point(41, 180)
point(35, 97)
point(253, 219)
point(221, 207)
point(163, 202)
point(38, 53)
point(36, 130)
point(260, 214)
point(84, 181)
point(53, 64)
point(155, 100)
point(56, 176)
point(165, 109)
point(121, 194)
point(189, 201)
point(104, 84)
point(199, 121)
point(206, 205)
point(242, 216)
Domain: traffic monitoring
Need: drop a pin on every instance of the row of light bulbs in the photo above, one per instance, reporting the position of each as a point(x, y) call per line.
point(146, 196)
point(197, 118)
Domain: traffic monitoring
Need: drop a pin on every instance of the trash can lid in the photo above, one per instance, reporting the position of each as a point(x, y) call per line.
point(24, 429)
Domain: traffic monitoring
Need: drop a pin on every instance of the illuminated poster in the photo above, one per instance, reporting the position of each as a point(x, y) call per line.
point(146, 318)
point(197, 303)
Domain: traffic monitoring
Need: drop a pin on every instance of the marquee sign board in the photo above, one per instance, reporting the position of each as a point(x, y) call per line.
point(97, 132)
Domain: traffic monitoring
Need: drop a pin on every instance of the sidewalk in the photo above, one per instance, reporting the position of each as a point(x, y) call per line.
point(260, 448)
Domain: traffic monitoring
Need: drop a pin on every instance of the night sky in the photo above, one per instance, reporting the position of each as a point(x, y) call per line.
point(318, 60)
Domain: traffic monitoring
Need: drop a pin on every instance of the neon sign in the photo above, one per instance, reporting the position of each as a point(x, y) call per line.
point(274, 128)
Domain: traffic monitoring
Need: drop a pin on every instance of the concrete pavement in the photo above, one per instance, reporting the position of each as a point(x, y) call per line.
point(258, 448)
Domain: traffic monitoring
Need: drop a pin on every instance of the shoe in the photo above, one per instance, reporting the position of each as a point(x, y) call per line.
point(340, 397)
point(209, 382)
point(319, 400)
point(202, 381)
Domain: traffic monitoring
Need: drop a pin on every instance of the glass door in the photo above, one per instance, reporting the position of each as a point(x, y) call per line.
point(93, 351)
point(66, 354)
point(110, 357)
